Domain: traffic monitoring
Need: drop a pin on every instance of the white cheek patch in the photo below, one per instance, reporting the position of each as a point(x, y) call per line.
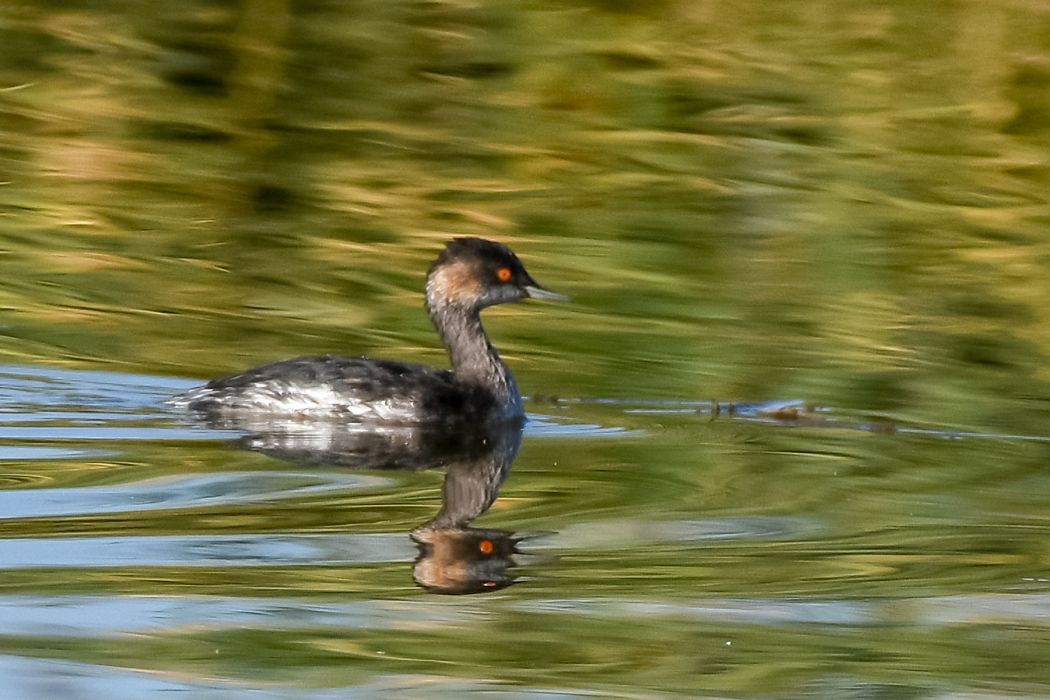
point(454, 283)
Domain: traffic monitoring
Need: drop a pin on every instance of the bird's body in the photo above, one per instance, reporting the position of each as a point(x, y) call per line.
point(469, 275)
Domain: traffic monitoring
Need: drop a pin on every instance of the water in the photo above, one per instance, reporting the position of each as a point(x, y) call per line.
point(788, 439)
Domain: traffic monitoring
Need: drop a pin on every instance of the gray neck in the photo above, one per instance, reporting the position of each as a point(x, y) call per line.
point(474, 360)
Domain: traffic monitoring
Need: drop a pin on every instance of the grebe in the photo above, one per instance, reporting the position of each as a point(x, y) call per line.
point(469, 275)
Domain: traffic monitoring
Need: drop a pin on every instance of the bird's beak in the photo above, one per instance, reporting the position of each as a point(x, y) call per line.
point(535, 291)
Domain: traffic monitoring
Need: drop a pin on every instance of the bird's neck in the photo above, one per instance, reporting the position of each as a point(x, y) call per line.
point(474, 360)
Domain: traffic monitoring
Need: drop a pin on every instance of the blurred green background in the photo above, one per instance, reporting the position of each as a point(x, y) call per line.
point(840, 202)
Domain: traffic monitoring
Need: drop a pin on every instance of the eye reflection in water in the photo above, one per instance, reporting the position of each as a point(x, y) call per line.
point(454, 558)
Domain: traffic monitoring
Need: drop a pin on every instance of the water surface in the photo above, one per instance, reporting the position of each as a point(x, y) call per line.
point(836, 213)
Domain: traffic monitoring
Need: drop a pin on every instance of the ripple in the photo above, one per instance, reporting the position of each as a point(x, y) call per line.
point(25, 677)
point(628, 533)
point(92, 616)
point(49, 388)
point(205, 551)
point(193, 490)
point(948, 611)
point(548, 426)
point(89, 616)
point(17, 481)
point(768, 612)
point(112, 433)
point(11, 453)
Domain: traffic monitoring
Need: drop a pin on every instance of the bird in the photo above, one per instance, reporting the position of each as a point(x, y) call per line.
point(469, 275)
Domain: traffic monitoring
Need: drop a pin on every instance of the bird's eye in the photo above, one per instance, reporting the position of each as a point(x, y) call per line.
point(504, 274)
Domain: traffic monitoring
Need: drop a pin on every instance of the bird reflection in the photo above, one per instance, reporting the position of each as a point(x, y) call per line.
point(454, 558)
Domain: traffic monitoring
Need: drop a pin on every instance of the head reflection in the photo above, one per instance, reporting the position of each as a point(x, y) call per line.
point(454, 558)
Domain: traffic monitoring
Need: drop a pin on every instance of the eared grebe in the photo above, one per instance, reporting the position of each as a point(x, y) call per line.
point(469, 275)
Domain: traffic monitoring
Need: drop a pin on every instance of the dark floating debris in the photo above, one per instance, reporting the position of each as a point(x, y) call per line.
point(787, 413)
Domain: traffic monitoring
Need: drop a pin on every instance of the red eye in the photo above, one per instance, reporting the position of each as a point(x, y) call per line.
point(486, 547)
point(504, 274)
